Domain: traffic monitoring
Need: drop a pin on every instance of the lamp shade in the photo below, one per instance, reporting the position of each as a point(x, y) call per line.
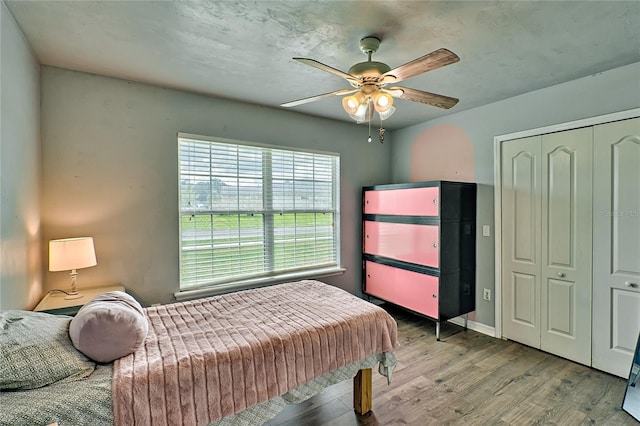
point(71, 253)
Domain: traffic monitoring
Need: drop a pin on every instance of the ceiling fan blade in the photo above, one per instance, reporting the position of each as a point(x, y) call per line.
point(414, 95)
point(436, 59)
point(328, 69)
point(315, 98)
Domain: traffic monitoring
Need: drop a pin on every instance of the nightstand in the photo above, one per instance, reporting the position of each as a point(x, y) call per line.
point(55, 302)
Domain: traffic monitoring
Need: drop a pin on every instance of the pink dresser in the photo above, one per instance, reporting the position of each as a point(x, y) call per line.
point(419, 247)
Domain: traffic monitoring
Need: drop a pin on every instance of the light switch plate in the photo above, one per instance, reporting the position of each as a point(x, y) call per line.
point(486, 231)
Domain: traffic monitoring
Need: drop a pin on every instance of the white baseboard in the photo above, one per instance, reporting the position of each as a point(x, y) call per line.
point(475, 326)
point(471, 325)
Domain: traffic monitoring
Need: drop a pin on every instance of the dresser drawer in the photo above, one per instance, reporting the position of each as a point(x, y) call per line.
point(409, 201)
point(401, 241)
point(412, 290)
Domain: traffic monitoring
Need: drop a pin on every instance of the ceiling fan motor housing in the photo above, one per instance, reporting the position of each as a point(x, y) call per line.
point(369, 45)
point(369, 69)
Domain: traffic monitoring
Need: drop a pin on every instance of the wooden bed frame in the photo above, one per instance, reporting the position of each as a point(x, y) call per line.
point(363, 391)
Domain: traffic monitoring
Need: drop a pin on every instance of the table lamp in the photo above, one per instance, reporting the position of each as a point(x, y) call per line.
point(71, 254)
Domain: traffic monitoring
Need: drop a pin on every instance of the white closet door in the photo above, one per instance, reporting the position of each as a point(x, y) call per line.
point(566, 244)
point(616, 248)
point(521, 224)
point(546, 242)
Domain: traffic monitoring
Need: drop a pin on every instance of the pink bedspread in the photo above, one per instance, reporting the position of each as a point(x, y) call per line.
point(209, 358)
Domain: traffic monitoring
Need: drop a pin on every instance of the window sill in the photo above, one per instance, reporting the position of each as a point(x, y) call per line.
point(254, 283)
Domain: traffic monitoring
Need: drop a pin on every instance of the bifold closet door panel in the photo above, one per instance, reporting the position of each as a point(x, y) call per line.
point(567, 196)
point(422, 201)
point(616, 245)
point(406, 242)
point(412, 290)
point(521, 240)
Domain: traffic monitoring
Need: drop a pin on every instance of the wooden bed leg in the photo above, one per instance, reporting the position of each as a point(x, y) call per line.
point(362, 391)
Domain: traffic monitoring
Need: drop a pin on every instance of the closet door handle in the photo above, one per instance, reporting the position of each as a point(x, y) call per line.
point(435, 201)
point(630, 284)
point(561, 274)
point(435, 245)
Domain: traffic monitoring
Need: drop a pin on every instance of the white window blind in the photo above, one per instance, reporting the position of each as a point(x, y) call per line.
point(250, 211)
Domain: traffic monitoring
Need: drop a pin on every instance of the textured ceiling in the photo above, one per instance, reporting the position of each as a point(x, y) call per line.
point(242, 50)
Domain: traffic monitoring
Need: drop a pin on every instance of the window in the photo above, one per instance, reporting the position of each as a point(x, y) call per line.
point(250, 212)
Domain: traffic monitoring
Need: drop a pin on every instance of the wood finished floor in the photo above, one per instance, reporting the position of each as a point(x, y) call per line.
point(470, 378)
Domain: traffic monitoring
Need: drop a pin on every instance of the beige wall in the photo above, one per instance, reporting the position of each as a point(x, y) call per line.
point(110, 171)
point(20, 262)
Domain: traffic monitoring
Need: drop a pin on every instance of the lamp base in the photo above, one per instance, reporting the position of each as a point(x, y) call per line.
point(73, 296)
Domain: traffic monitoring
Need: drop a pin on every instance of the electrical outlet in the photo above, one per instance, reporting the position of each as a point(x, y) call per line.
point(486, 295)
point(486, 231)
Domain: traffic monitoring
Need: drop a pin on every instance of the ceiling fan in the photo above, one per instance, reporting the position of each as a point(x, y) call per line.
point(370, 79)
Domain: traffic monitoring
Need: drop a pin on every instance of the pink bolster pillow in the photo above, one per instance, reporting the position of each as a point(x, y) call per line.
point(109, 327)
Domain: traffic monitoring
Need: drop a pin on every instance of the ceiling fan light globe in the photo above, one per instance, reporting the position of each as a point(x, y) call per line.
point(382, 102)
point(386, 114)
point(352, 103)
point(349, 104)
point(363, 114)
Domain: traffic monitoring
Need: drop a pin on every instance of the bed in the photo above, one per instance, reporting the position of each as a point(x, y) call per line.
point(231, 359)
